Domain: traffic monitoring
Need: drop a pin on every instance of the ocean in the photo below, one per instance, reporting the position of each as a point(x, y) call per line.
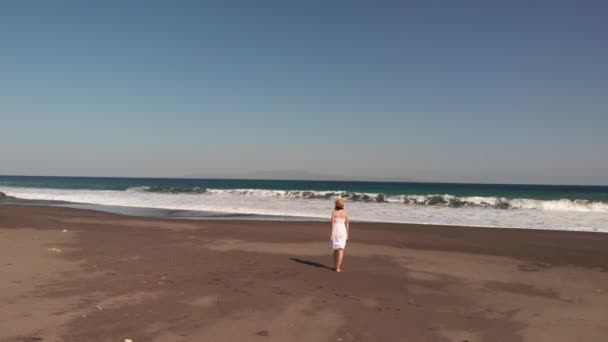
point(559, 207)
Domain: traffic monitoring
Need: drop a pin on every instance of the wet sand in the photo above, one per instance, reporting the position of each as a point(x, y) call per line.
point(111, 278)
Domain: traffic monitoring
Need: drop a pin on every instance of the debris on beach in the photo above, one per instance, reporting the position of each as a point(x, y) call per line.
point(56, 250)
point(263, 333)
point(128, 340)
point(64, 231)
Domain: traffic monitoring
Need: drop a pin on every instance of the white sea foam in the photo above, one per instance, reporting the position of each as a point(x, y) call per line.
point(435, 199)
point(504, 203)
point(138, 189)
point(534, 214)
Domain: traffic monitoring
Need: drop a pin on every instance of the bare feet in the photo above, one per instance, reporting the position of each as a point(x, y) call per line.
point(338, 271)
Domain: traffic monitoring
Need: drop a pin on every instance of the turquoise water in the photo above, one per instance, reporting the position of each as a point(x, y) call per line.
point(173, 185)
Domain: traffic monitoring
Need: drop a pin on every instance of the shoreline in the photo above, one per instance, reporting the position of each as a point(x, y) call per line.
point(504, 206)
point(73, 275)
point(149, 212)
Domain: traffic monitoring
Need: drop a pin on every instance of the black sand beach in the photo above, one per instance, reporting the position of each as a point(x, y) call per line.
point(78, 275)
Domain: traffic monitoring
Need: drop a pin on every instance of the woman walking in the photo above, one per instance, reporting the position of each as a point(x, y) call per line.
point(340, 227)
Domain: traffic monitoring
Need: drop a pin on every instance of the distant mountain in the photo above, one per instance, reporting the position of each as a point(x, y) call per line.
point(296, 175)
point(292, 174)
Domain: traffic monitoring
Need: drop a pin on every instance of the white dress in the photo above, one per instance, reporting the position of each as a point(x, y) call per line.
point(338, 233)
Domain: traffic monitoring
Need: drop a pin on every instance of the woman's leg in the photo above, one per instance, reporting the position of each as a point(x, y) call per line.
point(340, 259)
point(336, 259)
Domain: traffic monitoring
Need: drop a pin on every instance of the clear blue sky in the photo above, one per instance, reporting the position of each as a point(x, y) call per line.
point(473, 91)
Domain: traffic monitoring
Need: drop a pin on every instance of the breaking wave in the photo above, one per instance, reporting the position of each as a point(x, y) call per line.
point(166, 190)
point(444, 200)
point(563, 214)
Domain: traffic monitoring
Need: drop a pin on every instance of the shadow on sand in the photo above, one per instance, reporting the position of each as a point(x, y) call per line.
point(310, 263)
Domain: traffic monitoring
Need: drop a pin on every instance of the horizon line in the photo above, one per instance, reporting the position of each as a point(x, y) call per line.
point(310, 180)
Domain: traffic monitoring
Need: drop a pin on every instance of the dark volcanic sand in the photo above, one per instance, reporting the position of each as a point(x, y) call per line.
point(109, 278)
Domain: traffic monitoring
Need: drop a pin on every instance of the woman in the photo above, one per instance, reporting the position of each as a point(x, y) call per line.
point(340, 227)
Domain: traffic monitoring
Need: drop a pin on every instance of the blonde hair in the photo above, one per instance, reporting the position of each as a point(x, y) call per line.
point(339, 204)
